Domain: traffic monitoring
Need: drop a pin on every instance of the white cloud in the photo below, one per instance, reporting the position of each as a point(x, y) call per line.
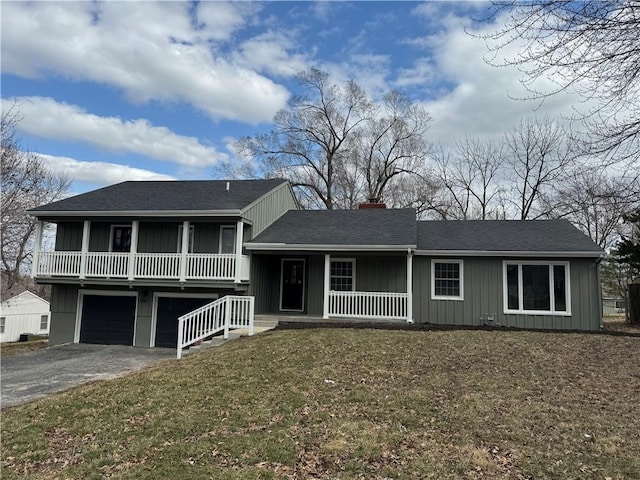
point(150, 50)
point(269, 52)
point(98, 173)
point(46, 118)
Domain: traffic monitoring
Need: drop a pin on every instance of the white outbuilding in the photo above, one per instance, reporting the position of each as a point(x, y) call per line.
point(24, 313)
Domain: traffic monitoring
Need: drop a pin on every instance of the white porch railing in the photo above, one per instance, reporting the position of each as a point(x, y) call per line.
point(164, 266)
point(221, 315)
point(383, 305)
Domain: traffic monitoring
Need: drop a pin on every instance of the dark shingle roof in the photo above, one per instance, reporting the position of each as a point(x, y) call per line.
point(503, 236)
point(370, 227)
point(194, 195)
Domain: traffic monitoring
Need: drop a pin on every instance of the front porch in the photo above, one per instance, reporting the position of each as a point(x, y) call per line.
point(375, 286)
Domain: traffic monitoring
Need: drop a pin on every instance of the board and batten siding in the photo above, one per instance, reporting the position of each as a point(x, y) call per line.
point(483, 295)
point(69, 236)
point(269, 208)
point(64, 302)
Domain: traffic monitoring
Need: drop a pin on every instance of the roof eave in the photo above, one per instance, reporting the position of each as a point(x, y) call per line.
point(510, 253)
point(135, 213)
point(326, 247)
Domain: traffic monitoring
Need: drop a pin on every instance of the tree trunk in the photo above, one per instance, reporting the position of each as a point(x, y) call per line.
point(634, 303)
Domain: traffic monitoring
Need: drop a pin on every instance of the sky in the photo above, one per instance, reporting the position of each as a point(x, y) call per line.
point(114, 91)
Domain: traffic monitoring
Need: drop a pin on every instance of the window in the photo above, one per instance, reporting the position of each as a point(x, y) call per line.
point(447, 282)
point(180, 228)
point(2, 324)
point(121, 238)
point(536, 288)
point(342, 277)
point(44, 322)
point(227, 239)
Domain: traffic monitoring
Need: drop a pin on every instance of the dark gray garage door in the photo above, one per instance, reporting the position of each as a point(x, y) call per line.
point(168, 311)
point(108, 319)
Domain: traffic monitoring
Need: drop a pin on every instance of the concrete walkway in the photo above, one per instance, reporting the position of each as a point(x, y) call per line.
point(29, 376)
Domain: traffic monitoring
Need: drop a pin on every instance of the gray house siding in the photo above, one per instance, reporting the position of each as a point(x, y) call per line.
point(374, 273)
point(269, 208)
point(64, 304)
point(483, 296)
point(69, 236)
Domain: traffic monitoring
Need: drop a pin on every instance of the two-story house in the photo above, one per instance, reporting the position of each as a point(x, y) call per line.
point(133, 258)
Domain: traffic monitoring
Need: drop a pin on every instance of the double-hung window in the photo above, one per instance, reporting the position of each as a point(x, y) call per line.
point(44, 322)
point(3, 325)
point(121, 238)
point(342, 278)
point(228, 239)
point(536, 288)
point(447, 281)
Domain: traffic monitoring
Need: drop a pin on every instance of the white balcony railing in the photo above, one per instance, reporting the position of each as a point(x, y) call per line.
point(162, 266)
point(383, 305)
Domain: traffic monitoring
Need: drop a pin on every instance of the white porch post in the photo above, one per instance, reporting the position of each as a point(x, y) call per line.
point(327, 284)
point(35, 262)
point(86, 230)
point(238, 266)
point(409, 286)
point(184, 251)
point(134, 248)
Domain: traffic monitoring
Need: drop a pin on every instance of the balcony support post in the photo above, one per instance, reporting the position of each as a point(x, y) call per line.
point(327, 284)
point(185, 251)
point(409, 286)
point(35, 264)
point(239, 240)
point(133, 249)
point(86, 230)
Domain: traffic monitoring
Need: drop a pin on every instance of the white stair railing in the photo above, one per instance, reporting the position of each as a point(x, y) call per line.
point(221, 315)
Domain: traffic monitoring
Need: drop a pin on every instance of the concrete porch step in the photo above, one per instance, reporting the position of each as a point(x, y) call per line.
point(233, 334)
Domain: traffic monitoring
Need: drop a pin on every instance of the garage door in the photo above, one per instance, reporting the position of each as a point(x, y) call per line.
point(167, 313)
point(108, 319)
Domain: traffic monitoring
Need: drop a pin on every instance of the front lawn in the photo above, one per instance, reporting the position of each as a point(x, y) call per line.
point(343, 403)
point(14, 348)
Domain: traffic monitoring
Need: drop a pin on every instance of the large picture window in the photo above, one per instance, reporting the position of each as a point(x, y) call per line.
point(447, 282)
point(342, 277)
point(536, 288)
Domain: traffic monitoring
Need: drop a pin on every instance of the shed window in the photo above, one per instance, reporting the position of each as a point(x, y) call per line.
point(447, 281)
point(536, 288)
point(2, 324)
point(342, 277)
point(44, 322)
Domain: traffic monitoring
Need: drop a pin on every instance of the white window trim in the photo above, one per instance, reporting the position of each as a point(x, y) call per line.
point(222, 229)
point(47, 325)
point(112, 235)
point(191, 237)
point(552, 300)
point(433, 279)
point(353, 271)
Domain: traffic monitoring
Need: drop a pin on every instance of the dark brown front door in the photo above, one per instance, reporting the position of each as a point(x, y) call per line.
point(292, 286)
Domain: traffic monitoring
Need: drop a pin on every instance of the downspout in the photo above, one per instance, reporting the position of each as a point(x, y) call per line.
point(599, 280)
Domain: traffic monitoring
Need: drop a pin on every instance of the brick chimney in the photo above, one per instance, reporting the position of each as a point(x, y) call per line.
point(372, 203)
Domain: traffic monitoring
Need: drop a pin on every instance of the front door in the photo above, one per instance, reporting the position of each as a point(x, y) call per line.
point(292, 285)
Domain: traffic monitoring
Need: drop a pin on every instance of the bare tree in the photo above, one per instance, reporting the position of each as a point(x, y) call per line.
point(590, 47)
point(391, 143)
point(539, 156)
point(26, 183)
point(469, 177)
point(338, 147)
point(596, 201)
point(310, 136)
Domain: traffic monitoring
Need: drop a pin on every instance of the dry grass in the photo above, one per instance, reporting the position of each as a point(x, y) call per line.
point(342, 403)
point(618, 323)
point(14, 348)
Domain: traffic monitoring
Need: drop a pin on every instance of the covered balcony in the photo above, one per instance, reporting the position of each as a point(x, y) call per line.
point(124, 261)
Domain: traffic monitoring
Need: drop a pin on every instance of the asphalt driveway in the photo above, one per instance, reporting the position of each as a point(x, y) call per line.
point(29, 376)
